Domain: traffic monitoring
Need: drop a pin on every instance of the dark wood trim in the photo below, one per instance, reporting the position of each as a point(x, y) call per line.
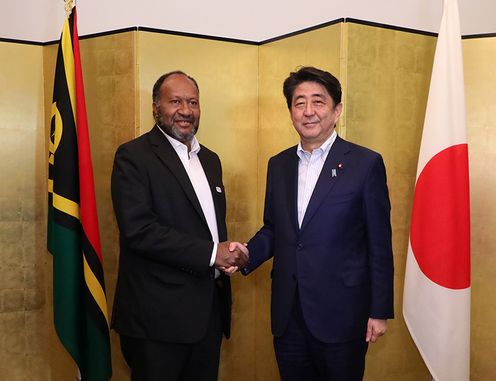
point(301, 31)
point(392, 27)
point(247, 42)
point(15, 41)
point(100, 34)
point(484, 35)
point(195, 35)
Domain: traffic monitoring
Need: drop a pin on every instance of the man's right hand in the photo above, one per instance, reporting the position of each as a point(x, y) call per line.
point(231, 255)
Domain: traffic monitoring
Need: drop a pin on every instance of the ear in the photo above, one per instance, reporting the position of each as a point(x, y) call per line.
point(338, 109)
point(155, 111)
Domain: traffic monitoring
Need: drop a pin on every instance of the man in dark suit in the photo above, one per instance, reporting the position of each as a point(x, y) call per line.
point(327, 228)
point(172, 304)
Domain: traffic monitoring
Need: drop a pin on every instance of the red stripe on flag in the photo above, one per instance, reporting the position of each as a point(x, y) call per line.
point(440, 230)
point(88, 213)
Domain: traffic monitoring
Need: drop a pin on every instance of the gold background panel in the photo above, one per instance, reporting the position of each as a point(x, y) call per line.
point(109, 64)
point(24, 314)
point(227, 74)
point(480, 92)
point(388, 79)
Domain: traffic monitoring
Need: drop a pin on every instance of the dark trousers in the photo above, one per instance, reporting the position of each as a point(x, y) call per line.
point(301, 357)
point(161, 361)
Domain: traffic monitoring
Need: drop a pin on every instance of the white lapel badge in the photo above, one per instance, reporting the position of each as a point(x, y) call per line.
point(218, 189)
point(333, 172)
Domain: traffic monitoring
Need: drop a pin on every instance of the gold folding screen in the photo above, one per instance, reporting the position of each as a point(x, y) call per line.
point(385, 76)
point(480, 92)
point(24, 303)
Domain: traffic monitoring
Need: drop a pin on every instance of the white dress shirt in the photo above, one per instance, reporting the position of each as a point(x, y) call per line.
point(198, 179)
point(309, 168)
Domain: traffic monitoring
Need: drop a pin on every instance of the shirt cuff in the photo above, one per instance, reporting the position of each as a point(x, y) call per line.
point(214, 252)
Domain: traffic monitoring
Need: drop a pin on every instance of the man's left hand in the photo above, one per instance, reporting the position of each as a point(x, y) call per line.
point(375, 329)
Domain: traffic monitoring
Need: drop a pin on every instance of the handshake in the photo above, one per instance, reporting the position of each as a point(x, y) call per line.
point(231, 257)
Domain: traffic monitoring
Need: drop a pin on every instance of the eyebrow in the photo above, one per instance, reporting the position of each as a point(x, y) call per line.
point(176, 96)
point(319, 95)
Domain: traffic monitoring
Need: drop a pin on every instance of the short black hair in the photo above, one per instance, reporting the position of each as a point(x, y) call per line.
point(312, 74)
point(163, 77)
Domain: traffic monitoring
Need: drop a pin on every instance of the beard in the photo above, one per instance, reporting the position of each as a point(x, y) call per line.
point(172, 130)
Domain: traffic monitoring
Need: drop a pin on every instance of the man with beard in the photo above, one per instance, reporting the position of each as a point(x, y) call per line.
point(172, 304)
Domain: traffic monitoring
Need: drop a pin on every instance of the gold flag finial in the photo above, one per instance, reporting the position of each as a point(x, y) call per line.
point(69, 4)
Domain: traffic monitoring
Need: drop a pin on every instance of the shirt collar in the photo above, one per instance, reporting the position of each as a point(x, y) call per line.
point(324, 148)
point(179, 146)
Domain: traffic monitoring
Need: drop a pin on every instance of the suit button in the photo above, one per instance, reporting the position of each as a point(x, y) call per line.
point(299, 246)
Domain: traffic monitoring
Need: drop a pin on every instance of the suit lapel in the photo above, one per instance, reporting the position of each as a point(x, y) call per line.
point(327, 179)
point(168, 156)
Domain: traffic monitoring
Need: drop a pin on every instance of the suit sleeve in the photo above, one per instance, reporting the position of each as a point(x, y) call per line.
point(262, 243)
point(377, 210)
point(139, 225)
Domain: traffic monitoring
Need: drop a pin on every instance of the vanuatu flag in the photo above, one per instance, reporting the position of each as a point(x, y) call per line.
point(79, 301)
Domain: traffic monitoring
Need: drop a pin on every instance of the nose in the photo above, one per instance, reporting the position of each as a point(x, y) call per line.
point(185, 108)
point(308, 111)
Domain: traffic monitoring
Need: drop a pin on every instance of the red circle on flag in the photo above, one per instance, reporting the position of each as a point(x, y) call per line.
point(440, 230)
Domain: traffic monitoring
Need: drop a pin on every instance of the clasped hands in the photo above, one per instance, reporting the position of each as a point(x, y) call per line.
point(231, 256)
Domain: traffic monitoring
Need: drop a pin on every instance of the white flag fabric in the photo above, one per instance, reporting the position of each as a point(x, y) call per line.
point(436, 299)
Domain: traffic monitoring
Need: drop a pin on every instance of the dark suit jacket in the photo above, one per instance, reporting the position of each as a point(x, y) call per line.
point(165, 285)
point(340, 261)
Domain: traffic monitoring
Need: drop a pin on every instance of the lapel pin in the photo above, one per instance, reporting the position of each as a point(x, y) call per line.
point(333, 172)
point(218, 189)
point(340, 166)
